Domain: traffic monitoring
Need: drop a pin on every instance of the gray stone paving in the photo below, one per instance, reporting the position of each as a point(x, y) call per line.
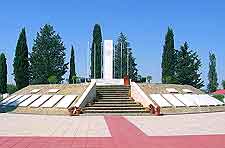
point(187, 124)
point(55, 126)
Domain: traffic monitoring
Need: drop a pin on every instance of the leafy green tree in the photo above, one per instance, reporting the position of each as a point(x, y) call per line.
point(72, 67)
point(3, 74)
point(21, 62)
point(187, 67)
point(124, 62)
point(223, 84)
point(96, 53)
point(212, 75)
point(168, 58)
point(53, 79)
point(48, 56)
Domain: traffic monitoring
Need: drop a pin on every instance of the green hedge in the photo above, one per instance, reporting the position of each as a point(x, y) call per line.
point(219, 97)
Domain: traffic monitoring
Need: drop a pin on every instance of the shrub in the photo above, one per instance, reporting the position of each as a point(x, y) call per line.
point(11, 88)
point(219, 97)
point(52, 79)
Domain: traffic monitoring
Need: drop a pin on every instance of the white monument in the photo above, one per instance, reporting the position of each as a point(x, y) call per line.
point(108, 66)
point(108, 60)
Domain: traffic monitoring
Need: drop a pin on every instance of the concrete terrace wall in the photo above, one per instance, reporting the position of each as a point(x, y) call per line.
point(139, 96)
point(88, 96)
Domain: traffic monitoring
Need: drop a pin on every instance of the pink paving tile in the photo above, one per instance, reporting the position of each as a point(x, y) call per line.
point(38, 145)
point(3, 140)
point(22, 145)
point(8, 144)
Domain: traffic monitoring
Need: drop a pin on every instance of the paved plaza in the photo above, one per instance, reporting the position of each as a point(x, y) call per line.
point(42, 131)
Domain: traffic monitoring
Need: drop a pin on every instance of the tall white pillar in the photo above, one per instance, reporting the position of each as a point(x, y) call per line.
point(108, 60)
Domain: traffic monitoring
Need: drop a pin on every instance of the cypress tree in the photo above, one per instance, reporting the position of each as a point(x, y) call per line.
point(96, 53)
point(212, 75)
point(187, 67)
point(3, 74)
point(168, 58)
point(72, 66)
point(133, 71)
point(48, 56)
point(21, 62)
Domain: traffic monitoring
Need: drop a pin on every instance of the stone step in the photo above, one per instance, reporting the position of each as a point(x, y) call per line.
point(114, 105)
point(114, 100)
point(107, 102)
point(116, 114)
point(110, 92)
point(115, 111)
point(114, 108)
point(108, 89)
point(112, 88)
point(111, 97)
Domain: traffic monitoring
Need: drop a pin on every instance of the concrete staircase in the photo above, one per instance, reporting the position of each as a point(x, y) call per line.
point(114, 100)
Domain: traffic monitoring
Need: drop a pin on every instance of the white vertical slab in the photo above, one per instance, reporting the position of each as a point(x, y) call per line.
point(13, 99)
point(212, 100)
point(108, 59)
point(187, 100)
point(160, 100)
point(7, 99)
point(40, 101)
point(52, 101)
point(66, 101)
point(29, 100)
point(17, 102)
point(173, 100)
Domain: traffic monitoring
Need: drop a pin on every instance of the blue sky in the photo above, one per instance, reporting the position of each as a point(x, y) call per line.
point(200, 23)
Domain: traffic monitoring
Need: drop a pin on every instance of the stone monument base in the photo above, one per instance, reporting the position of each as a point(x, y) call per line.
point(108, 81)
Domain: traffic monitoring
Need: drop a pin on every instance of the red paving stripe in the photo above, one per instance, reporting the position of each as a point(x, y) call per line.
point(120, 127)
point(124, 135)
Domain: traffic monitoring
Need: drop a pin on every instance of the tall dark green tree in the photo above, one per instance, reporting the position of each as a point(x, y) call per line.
point(72, 66)
point(96, 53)
point(187, 67)
point(21, 62)
point(168, 58)
point(212, 75)
point(124, 62)
point(3, 74)
point(132, 68)
point(48, 56)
